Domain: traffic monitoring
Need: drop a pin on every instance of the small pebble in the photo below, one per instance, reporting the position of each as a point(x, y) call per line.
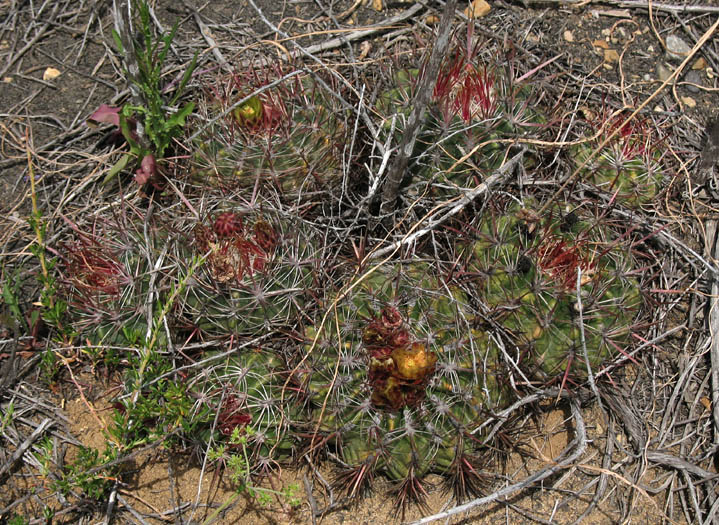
point(695, 78)
point(610, 56)
point(50, 73)
point(699, 64)
point(689, 101)
point(663, 72)
point(677, 49)
point(568, 36)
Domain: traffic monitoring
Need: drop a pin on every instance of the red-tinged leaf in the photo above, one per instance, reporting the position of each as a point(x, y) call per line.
point(147, 170)
point(106, 114)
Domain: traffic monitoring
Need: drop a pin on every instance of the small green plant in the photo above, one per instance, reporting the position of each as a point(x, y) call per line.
point(82, 474)
point(17, 519)
point(239, 468)
point(77, 476)
point(10, 293)
point(149, 125)
point(53, 308)
point(7, 417)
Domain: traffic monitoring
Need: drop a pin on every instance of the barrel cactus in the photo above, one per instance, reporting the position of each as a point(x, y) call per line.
point(397, 379)
point(289, 137)
point(108, 278)
point(629, 165)
point(246, 392)
point(475, 106)
point(524, 269)
point(254, 276)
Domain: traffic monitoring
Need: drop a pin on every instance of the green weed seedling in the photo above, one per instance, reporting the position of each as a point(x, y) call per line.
point(149, 125)
point(77, 476)
point(239, 468)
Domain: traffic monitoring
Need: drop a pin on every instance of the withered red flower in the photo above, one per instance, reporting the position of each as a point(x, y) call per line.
point(232, 254)
point(232, 415)
point(399, 369)
point(94, 269)
point(562, 261)
point(227, 224)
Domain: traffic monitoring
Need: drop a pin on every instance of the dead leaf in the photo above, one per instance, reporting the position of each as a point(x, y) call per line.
point(705, 401)
point(365, 47)
point(50, 73)
point(477, 9)
point(699, 64)
point(377, 5)
point(601, 43)
point(587, 113)
point(431, 20)
point(610, 56)
point(689, 101)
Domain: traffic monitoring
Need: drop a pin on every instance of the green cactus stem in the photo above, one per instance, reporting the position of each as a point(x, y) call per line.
point(107, 282)
point(525, 270)
point(398, 379)
point(246, 391)
point(291, 137)
point(629, 165)
point(476, 111)
point(254, 277)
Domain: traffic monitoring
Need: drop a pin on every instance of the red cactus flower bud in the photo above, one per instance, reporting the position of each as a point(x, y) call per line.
point(391, 318)
point(227, 224)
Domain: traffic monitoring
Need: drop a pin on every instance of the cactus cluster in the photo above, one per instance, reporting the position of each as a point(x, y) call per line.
point(524, 269)
point(290, 137)
point(397, 380)
point(397, 376)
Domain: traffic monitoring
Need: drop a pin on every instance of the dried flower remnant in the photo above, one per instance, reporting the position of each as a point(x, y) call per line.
point(232, 415)
point(466, 90)
point(227, 224)
point(562, 261)
point(234, 252)
point(399, 371)
point(93, 268)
